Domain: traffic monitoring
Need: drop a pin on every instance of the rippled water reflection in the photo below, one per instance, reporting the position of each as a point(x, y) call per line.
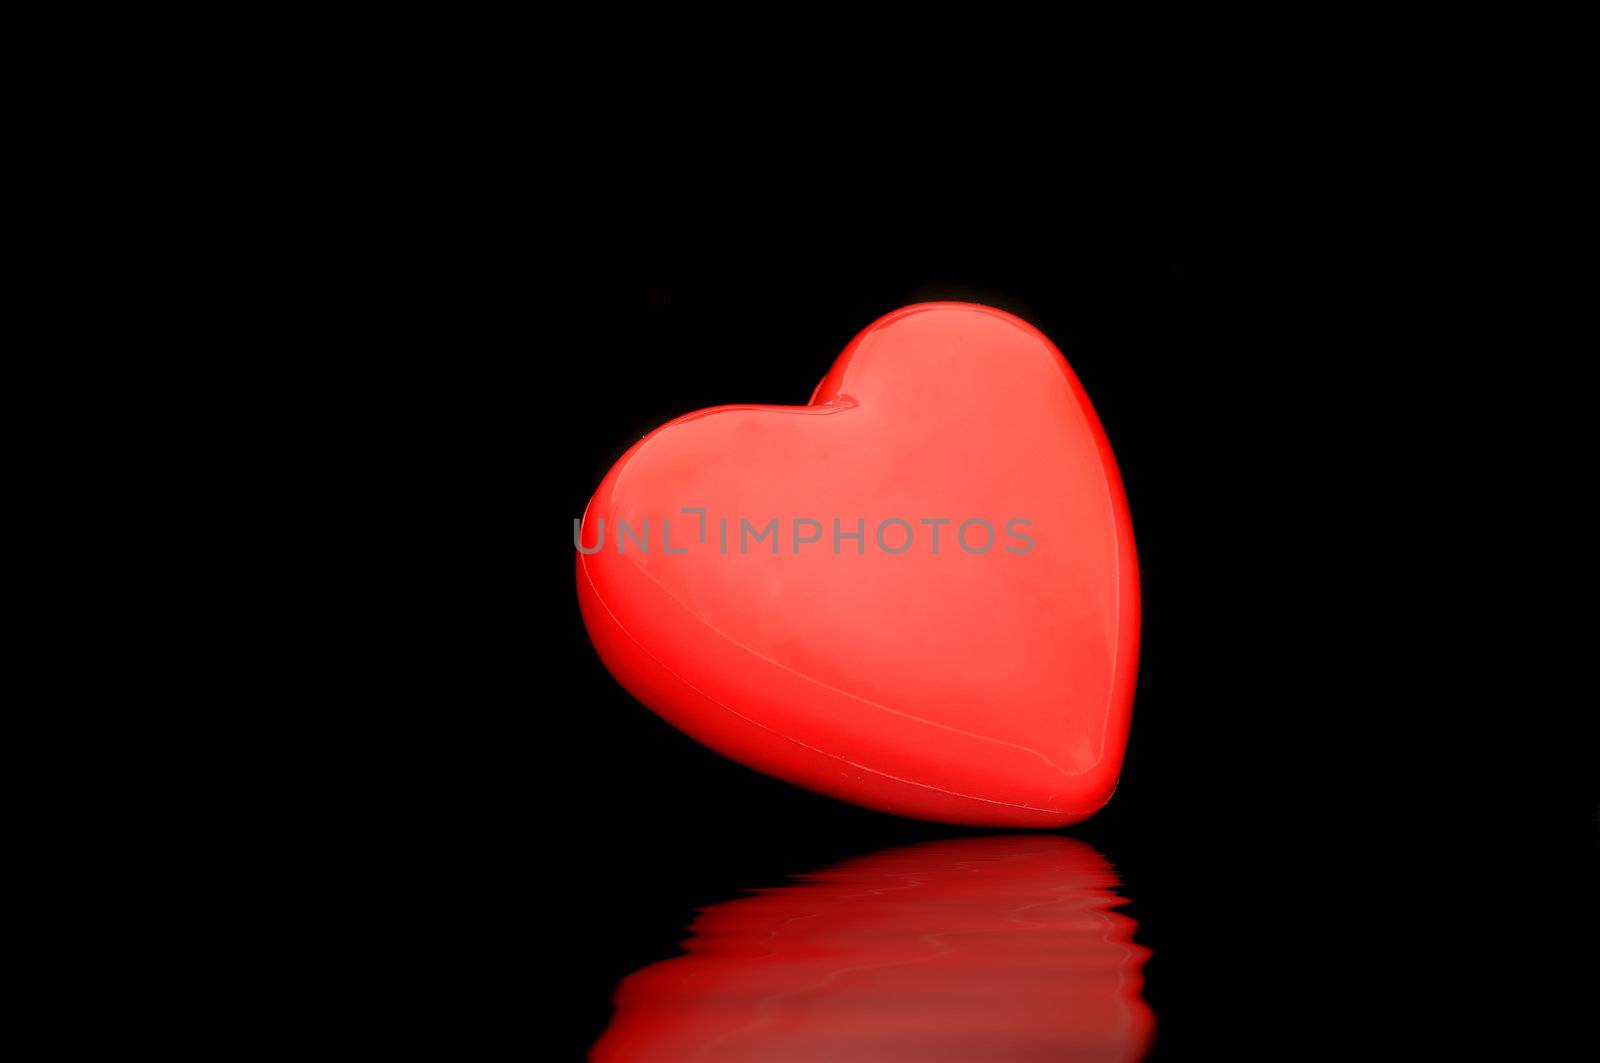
point(1003, 947)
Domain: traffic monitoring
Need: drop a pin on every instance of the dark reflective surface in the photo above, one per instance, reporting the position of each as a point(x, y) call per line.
point(997, 947)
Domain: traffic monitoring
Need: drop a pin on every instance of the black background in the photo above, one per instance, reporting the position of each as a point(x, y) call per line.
point(1283, 818)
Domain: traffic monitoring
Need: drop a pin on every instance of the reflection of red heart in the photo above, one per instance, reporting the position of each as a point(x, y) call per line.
point(982, 686)
point(994, 947)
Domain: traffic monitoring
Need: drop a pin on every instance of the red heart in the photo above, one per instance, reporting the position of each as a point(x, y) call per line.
point(981, 686)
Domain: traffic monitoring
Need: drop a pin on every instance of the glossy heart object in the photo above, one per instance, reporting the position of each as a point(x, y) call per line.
point(918, 593)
